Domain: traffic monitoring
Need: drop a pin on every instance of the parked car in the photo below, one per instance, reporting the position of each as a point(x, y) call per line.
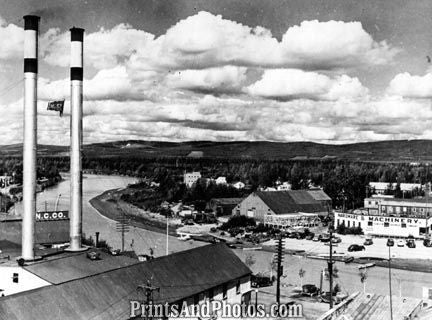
point(390, 242)
point(301, 235)
point(184, 237)
point(427, 243)
point(92, 255)
point(310, 236)
point(316, 239)
point(292, 235)
point(310, 290)
point(411, 244)
point(368, 242)
point(258, 281)
point(324, 237)
point(336, 240)
point(400, 243)
point(356, 247)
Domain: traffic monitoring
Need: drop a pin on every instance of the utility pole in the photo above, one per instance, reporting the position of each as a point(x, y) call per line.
point(390, 285)
point(330, 264)
point(122, 226)
point(148, 290)
point(279, 259)
point(167, 233)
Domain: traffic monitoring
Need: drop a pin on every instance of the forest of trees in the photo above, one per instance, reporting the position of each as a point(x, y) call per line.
point(345, 182)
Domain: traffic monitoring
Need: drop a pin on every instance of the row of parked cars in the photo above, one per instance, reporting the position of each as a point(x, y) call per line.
point(325, 237)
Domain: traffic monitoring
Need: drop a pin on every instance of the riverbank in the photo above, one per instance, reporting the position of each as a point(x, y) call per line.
point(109, 205)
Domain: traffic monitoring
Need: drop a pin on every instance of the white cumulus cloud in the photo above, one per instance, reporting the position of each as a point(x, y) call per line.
point(291, 84)
point(411, 86)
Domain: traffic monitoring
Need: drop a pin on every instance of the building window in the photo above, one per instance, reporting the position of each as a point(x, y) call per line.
point(238, 287)
point(403, 225)
point(386, 224)
point(430, 293)
point(338, 222)
point(370, 223)
point(224, 291)
point(383, 208)
point(349, 224)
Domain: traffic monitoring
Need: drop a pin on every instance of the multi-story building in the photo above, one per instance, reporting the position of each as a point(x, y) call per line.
point(383, 187)
point(190, 178)
point(388, 216)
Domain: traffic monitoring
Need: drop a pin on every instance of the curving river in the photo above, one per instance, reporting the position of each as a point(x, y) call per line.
point(93, 221)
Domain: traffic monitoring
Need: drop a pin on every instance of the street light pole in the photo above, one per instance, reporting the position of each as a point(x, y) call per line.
point(390, 286)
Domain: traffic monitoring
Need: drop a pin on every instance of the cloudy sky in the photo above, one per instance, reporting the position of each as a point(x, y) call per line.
point(329, 71)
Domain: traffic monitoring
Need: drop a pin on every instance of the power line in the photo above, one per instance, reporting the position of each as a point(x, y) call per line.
point(8, 88)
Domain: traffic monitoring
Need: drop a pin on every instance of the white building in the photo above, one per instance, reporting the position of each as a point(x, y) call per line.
point(389, 216)
point(190, 178)
point(382, 187)
point(284, 186)
point(239, 185)
point(221, 180)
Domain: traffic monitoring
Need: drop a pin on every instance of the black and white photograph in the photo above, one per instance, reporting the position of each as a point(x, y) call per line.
point(215, 159)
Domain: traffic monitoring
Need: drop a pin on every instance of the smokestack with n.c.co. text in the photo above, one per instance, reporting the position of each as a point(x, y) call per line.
point(76, 138)
point(31, 32)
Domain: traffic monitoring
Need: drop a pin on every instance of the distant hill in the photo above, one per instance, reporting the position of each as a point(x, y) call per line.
point(394, 151)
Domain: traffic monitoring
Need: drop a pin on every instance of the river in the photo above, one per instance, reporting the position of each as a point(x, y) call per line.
point(93, 221)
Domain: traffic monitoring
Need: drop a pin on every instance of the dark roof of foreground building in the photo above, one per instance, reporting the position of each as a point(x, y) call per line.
point(72, 266)
point(292, 201)
point(106, 295)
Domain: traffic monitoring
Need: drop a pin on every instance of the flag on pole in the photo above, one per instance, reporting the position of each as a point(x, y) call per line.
point(56, 106)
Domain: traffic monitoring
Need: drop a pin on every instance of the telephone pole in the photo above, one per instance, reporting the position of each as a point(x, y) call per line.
point(148, 290)
point(279, 259)
point(122, 226)
point(330, 264)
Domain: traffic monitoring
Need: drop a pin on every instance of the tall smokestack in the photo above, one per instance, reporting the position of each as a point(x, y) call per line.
point(76, 138)
point(31, 30)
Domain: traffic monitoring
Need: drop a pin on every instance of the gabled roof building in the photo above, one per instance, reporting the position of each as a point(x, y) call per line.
point(260, 204)
point(192, 276)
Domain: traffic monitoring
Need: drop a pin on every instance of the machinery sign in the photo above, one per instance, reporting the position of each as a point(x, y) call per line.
point(52, 215)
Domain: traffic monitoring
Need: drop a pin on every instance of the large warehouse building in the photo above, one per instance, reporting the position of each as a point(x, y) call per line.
point(285, 209)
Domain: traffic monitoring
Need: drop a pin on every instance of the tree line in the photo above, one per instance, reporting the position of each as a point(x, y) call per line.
point(344, 181)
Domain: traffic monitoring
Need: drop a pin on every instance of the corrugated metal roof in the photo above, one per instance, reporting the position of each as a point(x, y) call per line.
point(107, 295)
point(292, 201)
point(377, 307)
